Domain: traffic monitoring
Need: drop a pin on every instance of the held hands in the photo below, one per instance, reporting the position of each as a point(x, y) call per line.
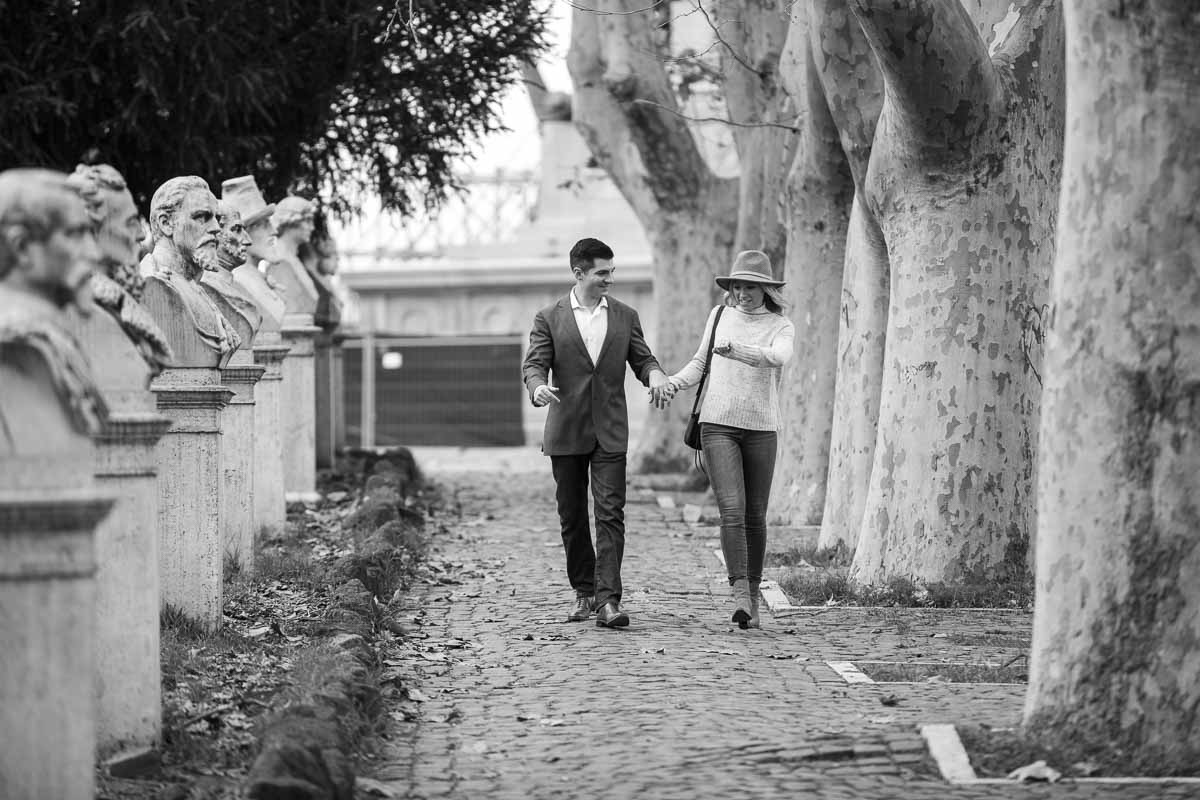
point(661, 390)
point(544, 395)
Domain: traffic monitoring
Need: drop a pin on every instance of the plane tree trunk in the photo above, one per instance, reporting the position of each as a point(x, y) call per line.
point(818, 196)
point(1115, 662)
point(962, 179)
point(853, 88)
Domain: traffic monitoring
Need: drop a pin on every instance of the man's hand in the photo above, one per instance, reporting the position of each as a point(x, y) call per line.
point(661, 390)
point(544, 395)
point(723, 348)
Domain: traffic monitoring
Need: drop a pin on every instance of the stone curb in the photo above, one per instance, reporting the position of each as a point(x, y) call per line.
point(309, 736)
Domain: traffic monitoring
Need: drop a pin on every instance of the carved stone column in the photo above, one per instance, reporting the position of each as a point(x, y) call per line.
point(49, 509)
point(189, 491)
point(270, 508)
point(298, 411)
point(127, 680)
point(47, 603)
point(237, 459)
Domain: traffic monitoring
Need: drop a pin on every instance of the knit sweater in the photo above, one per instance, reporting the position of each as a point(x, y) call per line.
point(742, 389)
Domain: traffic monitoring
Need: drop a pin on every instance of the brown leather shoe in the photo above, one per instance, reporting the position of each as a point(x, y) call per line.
point(583, 608)
point(610, 615)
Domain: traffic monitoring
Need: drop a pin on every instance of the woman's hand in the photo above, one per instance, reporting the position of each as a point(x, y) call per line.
point(723, 347)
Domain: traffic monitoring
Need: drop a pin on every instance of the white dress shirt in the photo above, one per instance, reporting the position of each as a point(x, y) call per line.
point(593, 324)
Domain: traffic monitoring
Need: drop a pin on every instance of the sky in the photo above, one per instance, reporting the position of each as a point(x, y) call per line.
point(518, 149)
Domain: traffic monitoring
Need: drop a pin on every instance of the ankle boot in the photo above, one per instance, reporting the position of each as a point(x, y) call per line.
point(741, 601)
point(755, 599)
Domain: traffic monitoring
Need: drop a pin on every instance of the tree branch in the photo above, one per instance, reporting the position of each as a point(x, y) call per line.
point(939, 77)
point(643, 145)
point(728, 47)
point(850, 79)
point(604, 12)
point(722, 120)
point(535, 87)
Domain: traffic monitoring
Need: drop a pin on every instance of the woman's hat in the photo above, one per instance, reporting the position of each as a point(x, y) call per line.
point(753, 266)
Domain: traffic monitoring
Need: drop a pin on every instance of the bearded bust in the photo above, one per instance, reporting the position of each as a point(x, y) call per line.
point(236, 304)
point(185, 231)
point(116, 284)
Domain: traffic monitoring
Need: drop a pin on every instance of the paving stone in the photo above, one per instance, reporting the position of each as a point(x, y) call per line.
point(682, 704)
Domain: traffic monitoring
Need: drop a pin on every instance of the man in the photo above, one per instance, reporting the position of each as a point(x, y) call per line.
point(116, 284)
point(585, 340)
point(183, 222)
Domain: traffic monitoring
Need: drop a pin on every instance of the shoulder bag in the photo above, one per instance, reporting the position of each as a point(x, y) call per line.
point(691, 434)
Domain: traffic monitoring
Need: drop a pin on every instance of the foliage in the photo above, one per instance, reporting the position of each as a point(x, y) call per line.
point(328, 98)
point(831, 585)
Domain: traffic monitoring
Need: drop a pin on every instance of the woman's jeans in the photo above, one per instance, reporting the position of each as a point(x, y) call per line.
point(740, 464)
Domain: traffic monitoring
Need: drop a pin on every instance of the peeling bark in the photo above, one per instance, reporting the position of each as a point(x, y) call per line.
point(853, 88)
point(963, 182)
point(1116, 647)
point(819, 193)
point(766, 137)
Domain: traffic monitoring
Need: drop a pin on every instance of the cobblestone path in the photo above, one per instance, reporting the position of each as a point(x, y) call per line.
point(512, 701)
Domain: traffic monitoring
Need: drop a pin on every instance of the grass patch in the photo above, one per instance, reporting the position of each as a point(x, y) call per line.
point(990, 640)
point(810, 556)
point(933, 672)
point(995, 752)
point(831, 585)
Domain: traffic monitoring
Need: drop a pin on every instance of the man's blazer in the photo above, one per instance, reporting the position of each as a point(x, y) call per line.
point(592, 406)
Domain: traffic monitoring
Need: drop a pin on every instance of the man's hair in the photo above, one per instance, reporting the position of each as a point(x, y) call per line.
point(91, 182)
point(169, 197)
point(586, 251)
point(33, 200)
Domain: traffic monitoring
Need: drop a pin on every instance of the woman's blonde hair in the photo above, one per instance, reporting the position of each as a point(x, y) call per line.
point(772, 299)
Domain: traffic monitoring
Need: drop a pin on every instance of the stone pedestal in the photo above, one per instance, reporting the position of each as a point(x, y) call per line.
point(49, 509)
point(270, 507)
point(47, 602)
point(330, 410)
point(189, 491)
point(127, 680)
point(298, 411)
point(237, 459)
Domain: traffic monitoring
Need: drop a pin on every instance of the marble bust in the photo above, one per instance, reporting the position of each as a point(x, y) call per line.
point(184, 227)
point(235, 302)
point(320, 257)
point(49, 403)
point(116, 284)
point(242, 195)
point(294, 221)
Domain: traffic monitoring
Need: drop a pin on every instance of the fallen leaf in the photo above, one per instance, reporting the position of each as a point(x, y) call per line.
point(373, 787)
point(889, 700)
point(1037, 771)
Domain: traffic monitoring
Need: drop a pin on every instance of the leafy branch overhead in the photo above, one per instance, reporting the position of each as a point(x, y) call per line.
point(339, 98)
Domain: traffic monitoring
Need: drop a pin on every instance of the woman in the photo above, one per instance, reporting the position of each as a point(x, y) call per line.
point(740, 415)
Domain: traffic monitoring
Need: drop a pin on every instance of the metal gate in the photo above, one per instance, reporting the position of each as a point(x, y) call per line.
point(451, 390)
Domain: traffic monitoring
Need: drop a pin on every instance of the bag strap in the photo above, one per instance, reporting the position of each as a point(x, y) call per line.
point(712, 337)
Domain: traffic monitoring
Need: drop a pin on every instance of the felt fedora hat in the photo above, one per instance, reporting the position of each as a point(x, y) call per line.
point(752, 266)
point(244, 195)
